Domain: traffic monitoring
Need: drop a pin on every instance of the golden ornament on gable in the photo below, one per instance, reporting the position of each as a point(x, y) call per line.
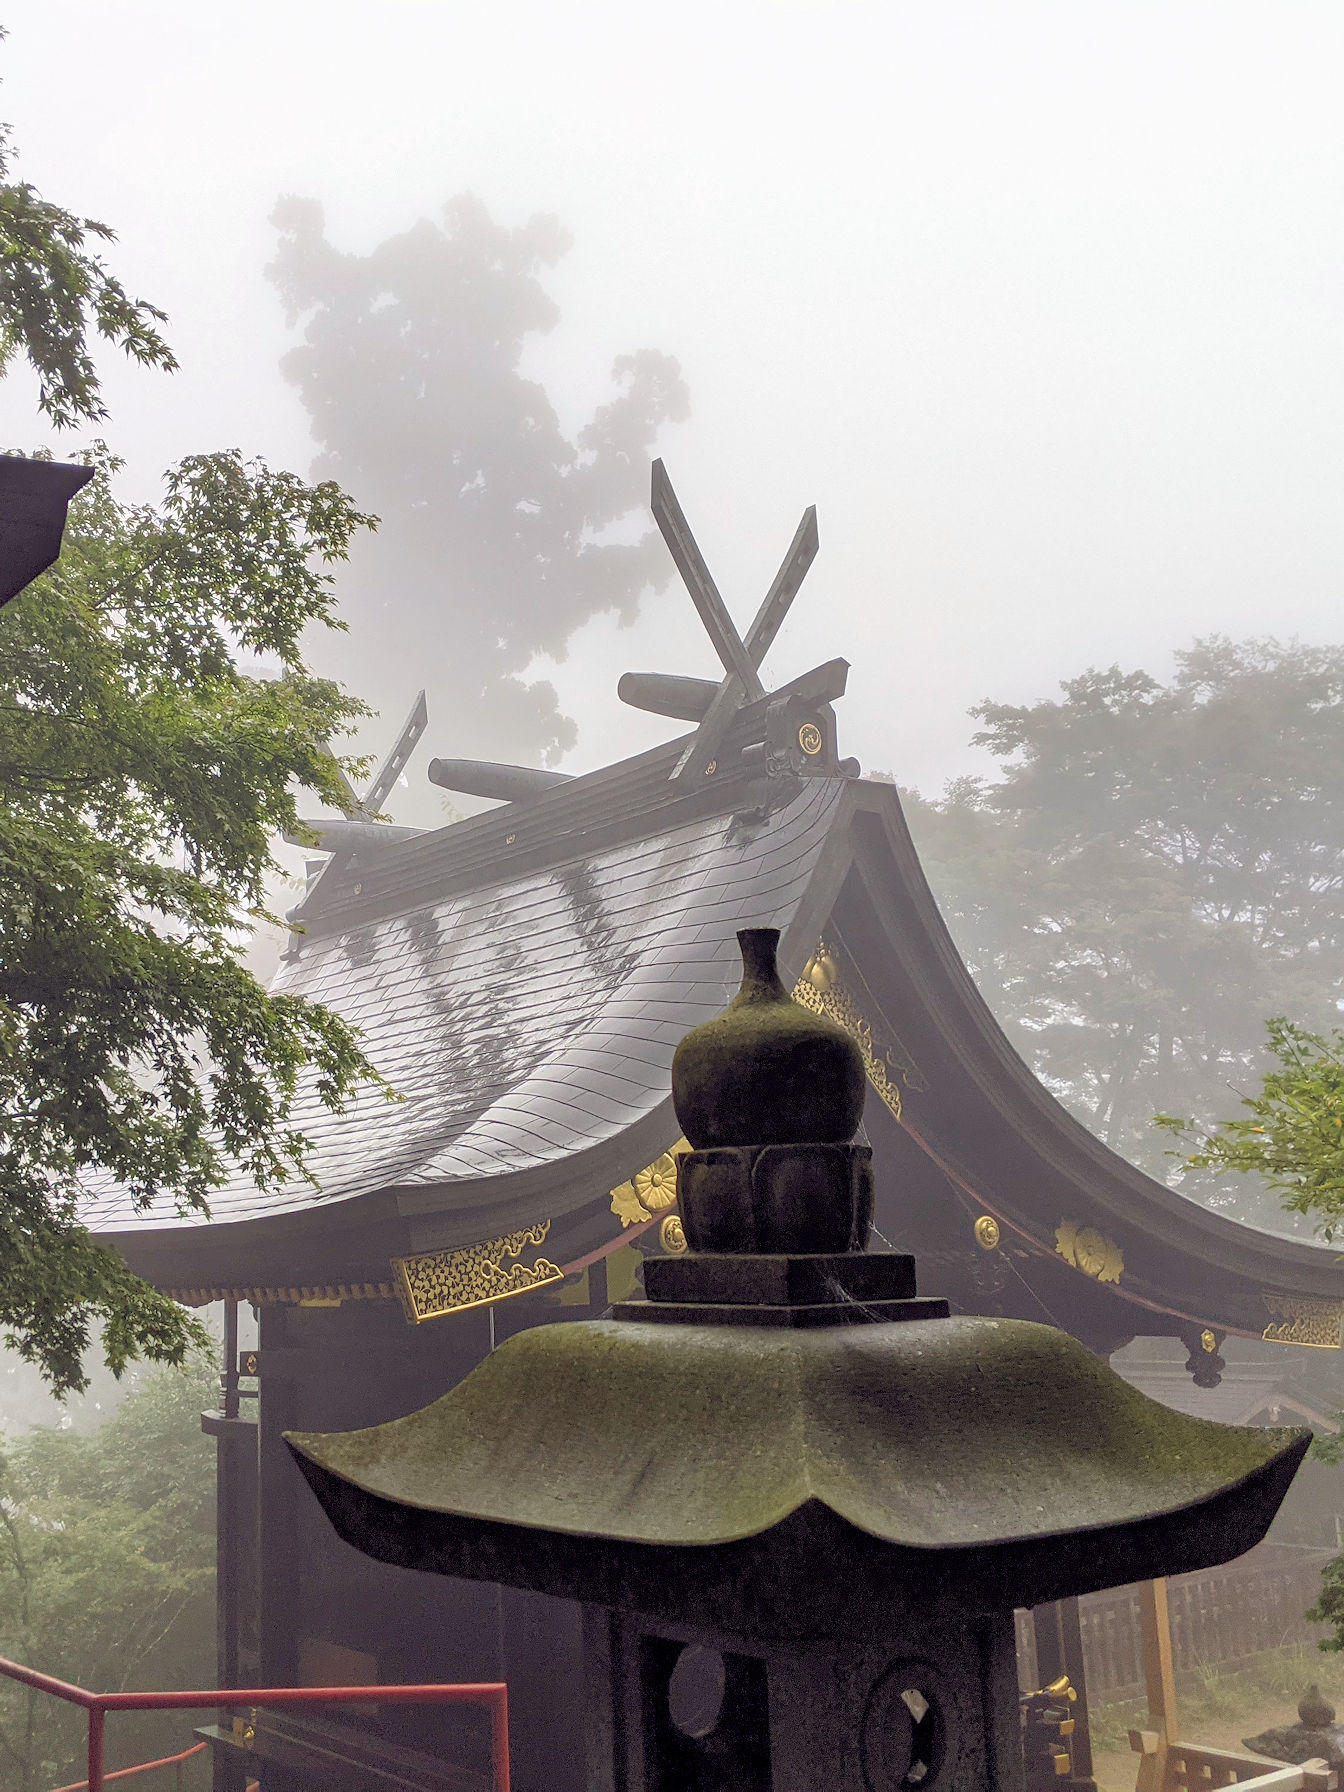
point(987, 1232)
point(1089, 1250)
point(820, 990)
point(1310, 1324)
point(627, 1206)
point(821, 971)
point(657, 1185)
point(650, 1191)
point(442, 1282)
point(672, 1235)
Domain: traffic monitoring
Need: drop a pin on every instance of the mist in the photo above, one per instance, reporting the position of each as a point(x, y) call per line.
point(1039, 305)
point(498, 537)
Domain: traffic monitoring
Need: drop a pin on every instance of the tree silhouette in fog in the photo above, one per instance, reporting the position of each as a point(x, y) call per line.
point(491, 548)
point(1156, 872)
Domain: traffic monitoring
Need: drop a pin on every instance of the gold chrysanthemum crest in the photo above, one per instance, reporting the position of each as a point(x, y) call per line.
point(650, 1191)
point(1089, 1250)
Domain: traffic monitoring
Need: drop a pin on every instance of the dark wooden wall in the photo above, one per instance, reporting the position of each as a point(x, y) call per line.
point(330, 1614)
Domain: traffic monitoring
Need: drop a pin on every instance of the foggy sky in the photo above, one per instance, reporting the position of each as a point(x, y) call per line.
point(1040, 304)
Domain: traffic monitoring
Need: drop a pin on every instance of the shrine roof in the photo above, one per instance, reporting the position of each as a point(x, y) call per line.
point(521, 979)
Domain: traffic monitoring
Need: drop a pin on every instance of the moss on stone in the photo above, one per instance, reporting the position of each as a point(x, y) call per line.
point(937, 1434)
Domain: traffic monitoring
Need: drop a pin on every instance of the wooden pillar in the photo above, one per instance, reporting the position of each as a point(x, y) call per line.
point(280, 1492)
point(235, 1528)
point(1159, 1665)
point(1159, 1671)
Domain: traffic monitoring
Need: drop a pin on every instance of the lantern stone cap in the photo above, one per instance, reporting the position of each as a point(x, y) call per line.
point(942, 1435)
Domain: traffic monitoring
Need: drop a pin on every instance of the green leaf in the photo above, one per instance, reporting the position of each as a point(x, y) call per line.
point(148, 766)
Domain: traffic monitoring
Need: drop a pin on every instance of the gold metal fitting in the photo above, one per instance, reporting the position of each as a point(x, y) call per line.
point(672, 1235)
point(987, 1232)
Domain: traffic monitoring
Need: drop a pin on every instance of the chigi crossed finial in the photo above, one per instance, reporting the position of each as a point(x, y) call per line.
point(797, 730)
point(357, 828)
point(741, 659)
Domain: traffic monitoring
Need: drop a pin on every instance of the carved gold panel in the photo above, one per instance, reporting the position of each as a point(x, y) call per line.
point(442, 1282)
point(822, 989)
point(1310, 1324)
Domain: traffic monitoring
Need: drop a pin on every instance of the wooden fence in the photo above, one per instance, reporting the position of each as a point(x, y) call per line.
point(1221, 1617)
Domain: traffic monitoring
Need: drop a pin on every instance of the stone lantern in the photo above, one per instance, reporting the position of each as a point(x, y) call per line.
point(797, 1501)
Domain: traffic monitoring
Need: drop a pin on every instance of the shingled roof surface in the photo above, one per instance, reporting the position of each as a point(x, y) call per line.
point(524, 1020)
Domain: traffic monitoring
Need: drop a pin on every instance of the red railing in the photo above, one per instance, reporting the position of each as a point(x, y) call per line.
point(130, 1773)
point(98, 1704)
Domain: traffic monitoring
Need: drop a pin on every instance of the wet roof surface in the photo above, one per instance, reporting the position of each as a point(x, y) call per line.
point(523, 1020)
